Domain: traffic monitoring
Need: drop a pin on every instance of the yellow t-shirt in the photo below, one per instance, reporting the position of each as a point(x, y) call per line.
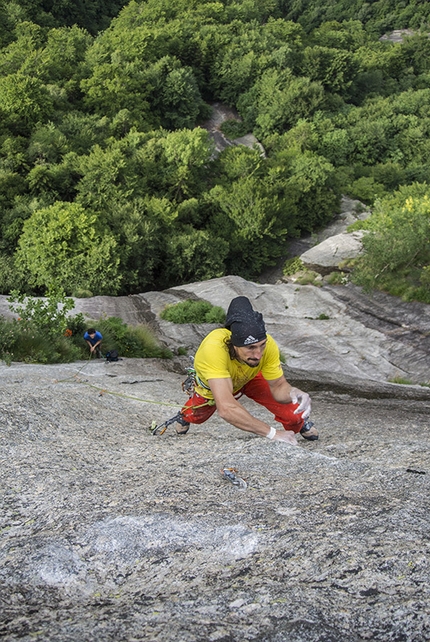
point(212, 361)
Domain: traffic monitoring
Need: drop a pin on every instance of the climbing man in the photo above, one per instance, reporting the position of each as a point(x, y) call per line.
point(241, 359)
point(94, 339)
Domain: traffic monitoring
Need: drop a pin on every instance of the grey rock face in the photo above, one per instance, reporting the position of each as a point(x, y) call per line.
point(327, 330)
point(109, 533)
point(221, 113)
point(397, 36)
point(328, 255)
point(351, 211)
point(334, 244)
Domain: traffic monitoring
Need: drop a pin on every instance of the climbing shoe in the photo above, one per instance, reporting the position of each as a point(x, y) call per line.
point(183, 427)
point(308, 431)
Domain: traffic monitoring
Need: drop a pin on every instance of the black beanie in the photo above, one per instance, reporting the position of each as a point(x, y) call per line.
point(246, 325)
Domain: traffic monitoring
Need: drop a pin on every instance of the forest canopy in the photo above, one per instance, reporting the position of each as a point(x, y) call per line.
point(110, 183)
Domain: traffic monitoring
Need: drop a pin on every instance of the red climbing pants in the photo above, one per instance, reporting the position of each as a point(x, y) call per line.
point(198, 409)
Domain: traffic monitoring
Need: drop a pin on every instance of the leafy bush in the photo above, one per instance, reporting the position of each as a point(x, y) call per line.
point(49, 316)
point(81, 293)
point(397, 251)
point(292, 266)
point(366, 189)
point(401, 380)
point(130, 341)
point(233, 129)
point(310, 277)
point(24, 341)
point(337, 278)
point(76, 326)
point(194, 312)
point(43, 333)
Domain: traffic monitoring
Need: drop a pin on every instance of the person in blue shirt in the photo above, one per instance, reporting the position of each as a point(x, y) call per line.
point(94, 340)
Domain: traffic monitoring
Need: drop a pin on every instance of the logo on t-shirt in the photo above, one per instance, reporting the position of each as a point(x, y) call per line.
point(249, 340)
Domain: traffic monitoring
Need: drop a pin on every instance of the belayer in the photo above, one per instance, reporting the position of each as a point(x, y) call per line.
point(94, 339)
point(242, 359)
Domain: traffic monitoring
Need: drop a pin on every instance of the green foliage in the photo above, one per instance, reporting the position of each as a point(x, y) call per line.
point(45, 334)
point(41, 333)
point(309, 277)
point(106, 183)
point(248, 216)
point(28, 343)
point(76, 327)
point(366, 190)
point(379, 16)
point(195, 255)
point(193, 312)
point(93, 16)
point(130, 341)
point(47, 315)
point(82, 293)
point(337, 278)
point(233, 129)
point(397, 246)
point(8, 276)
point(278, 100)
point(334, 68)
point(64, 246)
point(24, 101)
point(175, 94)
point(291, 266)
point(401, 380)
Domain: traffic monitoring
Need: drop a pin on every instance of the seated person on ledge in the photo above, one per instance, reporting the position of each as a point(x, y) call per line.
point(94, 340)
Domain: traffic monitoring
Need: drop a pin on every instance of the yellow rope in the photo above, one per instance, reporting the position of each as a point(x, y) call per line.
point(120, 394)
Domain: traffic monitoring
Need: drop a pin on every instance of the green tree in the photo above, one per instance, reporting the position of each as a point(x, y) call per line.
point(397, 245)
point(63, 246)
point(24, 101)
point(49, 316)
point(347, 35)
point(47, 144)
point(6, 25)
point(249, 49)
point(194, 255)
point(142, 227)
point(333, 68)
point(249, 214)
point(113, 87)
point(23, 55)
point(61, 64)
point(278, 100)
point(93, 16)
point(175, 95)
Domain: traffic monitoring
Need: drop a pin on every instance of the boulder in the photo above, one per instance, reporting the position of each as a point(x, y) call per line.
point(221, 113)
point(397, 36)
point(328, 255)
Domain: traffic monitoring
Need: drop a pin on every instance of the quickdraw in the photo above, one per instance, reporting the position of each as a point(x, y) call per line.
point(161, 428)
point(230, 474)
point(189, 384)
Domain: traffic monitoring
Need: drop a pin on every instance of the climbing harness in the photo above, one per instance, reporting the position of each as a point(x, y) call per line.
point(231, 475)
point(189, 384)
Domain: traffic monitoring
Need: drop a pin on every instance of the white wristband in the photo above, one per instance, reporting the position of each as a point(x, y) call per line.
point(271, 433)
